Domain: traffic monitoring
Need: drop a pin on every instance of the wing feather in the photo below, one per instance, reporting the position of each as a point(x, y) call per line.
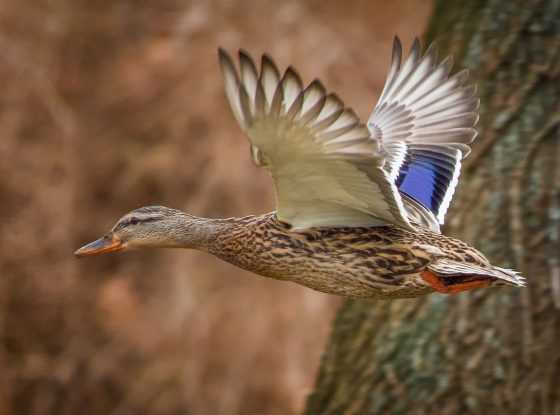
point(425, 121)
point(327, 168)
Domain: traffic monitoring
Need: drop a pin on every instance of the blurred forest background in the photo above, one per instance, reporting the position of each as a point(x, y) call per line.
point(108, 106)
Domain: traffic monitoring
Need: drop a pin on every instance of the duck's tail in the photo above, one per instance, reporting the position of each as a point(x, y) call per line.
point(448, 276)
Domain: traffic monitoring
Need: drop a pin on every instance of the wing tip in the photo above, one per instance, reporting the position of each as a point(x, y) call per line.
point(267, 63)
point(225, 59)
point(244, 54)
point(317, 85)
point(246, 61)
point(292, 73)
point(415, 50)
point(397, 47)
point(433, 50)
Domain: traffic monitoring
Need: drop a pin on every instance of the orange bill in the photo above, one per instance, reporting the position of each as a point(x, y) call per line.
point(108, 243)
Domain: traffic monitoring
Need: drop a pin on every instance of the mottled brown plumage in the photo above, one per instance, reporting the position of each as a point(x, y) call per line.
point(359, 206)
point(365, 262)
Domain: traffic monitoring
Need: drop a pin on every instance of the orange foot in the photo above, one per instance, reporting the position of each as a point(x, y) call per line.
point(455, 287)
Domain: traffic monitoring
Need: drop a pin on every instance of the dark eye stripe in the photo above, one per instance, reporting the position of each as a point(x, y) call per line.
point(150, 219)
point(134, 221)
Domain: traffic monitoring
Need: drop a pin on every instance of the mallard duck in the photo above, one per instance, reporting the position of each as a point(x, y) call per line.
point(359, 205)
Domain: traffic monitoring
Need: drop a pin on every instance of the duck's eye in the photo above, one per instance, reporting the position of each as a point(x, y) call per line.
point(133, 221)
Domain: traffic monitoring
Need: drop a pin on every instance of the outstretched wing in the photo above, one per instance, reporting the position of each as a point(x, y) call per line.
point(326, 167)
point(425, 120)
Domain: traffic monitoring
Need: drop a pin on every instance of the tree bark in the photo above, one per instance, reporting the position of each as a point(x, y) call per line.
point(494, 350)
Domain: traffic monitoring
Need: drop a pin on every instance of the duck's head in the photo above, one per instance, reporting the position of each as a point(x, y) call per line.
point(151, 226)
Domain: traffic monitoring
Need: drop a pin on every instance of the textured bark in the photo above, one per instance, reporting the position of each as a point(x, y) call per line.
point(495, 350)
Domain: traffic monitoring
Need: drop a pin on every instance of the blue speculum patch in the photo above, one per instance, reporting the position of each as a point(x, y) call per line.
point(425, 176)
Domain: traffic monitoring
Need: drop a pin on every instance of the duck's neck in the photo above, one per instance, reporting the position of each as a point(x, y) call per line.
point(244, 242)
point(235, 240)
point(193, 232)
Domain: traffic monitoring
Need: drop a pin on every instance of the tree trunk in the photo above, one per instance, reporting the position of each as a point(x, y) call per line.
point(494, 350)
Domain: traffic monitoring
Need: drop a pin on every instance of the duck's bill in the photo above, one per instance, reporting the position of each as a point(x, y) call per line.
point(100, 246)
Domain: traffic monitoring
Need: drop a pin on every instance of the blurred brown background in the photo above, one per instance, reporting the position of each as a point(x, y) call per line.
point(108, 106)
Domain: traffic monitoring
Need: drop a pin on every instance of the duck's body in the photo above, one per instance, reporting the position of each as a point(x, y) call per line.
point(358, 262)
point(359, 206)
point(361, 262)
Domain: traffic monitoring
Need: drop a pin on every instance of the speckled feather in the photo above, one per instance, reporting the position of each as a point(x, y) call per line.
point(360, 262)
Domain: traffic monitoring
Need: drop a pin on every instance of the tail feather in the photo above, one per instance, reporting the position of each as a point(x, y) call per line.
point(509, 276)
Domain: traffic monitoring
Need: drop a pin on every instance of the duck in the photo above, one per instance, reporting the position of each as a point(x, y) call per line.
point(359, 206)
